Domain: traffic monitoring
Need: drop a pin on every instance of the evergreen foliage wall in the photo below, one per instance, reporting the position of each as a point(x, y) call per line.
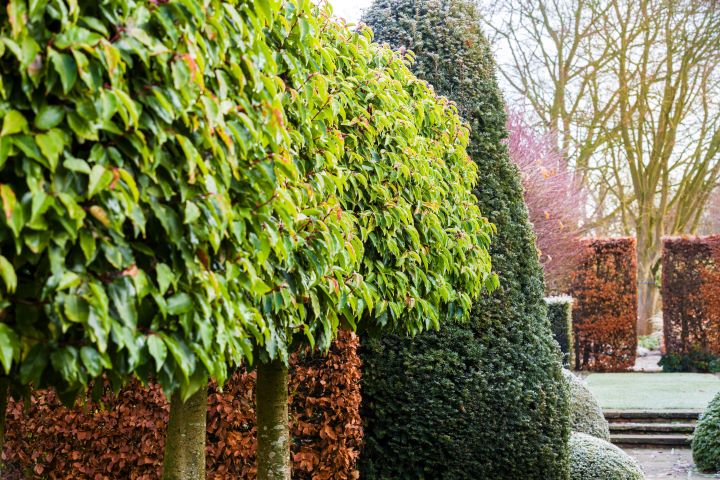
point(484, 399)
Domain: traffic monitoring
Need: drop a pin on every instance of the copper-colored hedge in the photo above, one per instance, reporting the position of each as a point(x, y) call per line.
point(605, 310)
point(691, 294)
point(123, 437)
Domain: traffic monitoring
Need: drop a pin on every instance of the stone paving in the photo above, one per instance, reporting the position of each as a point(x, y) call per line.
point(667, 464)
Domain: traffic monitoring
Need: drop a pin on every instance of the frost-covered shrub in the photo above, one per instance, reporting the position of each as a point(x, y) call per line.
point(586, 416)
point(706, 441)
point(592, 458)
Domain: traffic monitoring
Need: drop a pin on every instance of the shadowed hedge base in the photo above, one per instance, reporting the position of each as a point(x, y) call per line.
point(122, 437)
point(485, 399)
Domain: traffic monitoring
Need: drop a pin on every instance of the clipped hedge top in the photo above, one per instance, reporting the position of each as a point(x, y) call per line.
point(186, 184)
point(592, 458)
point(559, 299)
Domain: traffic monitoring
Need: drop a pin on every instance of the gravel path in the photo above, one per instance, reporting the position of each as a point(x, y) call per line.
point(666, 464)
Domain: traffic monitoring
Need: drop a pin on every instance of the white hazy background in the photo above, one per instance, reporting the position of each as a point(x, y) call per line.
point(350, 10)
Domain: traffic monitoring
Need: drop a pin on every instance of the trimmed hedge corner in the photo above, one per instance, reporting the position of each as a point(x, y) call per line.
point(586, 416)
point(706, 440)
point(484, 399)
point(605, 310)
point(691, 303)
point(123, 436)
point(560, 317)
point(592, 458)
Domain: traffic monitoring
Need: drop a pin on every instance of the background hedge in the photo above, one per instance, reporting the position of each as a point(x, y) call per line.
point(604, 287)
point(691, 302)
point(485, 399)
point(123, 436)
point(561, 324)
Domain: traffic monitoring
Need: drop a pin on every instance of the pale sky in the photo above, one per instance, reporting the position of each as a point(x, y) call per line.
point(350, 10)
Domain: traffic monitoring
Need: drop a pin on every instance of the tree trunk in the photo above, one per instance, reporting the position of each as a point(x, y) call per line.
point(273, 430)
point(648, 295)
point(4, 390)
point(185, 439)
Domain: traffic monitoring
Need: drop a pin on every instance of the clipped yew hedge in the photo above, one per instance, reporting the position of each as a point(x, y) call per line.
point(604, 287)
point(560, 317)
point(483, 399)
point(691, 302)
point(122, 436)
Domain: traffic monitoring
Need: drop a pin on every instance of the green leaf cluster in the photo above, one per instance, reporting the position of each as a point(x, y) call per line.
point(189, 185)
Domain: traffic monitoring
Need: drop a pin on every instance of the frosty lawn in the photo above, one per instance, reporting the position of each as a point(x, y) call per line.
point(666, 391)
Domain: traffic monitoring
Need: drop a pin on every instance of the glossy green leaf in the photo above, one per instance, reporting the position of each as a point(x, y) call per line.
point(7, 272)
point(158, 350)
point(9, 345)
point(49, 117)
point(13, 122)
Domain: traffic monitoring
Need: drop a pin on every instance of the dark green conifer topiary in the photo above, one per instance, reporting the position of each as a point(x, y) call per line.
point(706, 440)
point(484, 399)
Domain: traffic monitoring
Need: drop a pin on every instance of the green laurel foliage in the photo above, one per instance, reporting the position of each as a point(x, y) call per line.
point(192, 184)
point(485, 399)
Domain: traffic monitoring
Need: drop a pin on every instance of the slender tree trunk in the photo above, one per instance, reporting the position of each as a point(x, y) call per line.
point(4, 390)
point(271, 397)
point(185, 439)
point(648, 294)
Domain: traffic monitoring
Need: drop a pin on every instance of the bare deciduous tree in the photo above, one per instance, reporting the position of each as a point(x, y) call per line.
point(633, 89)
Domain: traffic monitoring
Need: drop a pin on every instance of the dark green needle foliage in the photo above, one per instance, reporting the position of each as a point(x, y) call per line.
point(482, 400)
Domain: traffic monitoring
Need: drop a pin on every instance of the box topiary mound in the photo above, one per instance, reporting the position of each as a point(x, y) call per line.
point(706, 440)
point(592, 458)
point(484, 399)
point(586, 415)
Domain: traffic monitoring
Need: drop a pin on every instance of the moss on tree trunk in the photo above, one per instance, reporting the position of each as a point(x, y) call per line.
point(273, 431)
point(185, 439)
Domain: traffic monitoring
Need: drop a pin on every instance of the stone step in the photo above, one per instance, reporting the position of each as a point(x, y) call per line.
point(635, 440)
point(652, 416)
point(652, 427)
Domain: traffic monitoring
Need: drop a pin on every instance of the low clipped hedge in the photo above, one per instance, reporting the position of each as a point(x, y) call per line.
point(592, 458)
point(560, 317)
point(586, 415)
point(706, 440)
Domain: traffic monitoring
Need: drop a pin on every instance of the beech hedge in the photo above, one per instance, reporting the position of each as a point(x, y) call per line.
point(604, 287)
point(691, 303)
point(122, 436)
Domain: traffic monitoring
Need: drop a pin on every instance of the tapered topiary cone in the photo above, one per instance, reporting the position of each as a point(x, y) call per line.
point(483, 400)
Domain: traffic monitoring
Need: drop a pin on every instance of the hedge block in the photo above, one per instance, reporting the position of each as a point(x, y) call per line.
point(560, 317)
point(691, 300)
point(123, 436)
point(604, 287)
